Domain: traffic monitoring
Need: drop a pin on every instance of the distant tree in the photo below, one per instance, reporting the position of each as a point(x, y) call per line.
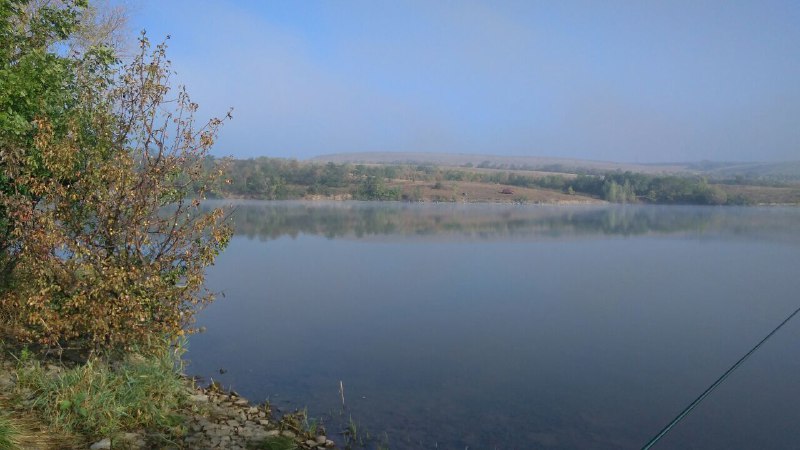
point(374, 188)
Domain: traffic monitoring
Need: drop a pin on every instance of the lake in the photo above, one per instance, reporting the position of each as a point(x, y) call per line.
point(473, 326)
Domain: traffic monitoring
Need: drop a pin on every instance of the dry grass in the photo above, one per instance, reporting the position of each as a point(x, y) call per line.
point(468, 191)
point(22, 430)
point(789, 195)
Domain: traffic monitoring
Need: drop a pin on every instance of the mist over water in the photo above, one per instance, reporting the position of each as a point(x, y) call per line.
point(494, 326)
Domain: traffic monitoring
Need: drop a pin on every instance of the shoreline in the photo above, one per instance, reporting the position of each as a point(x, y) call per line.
point(212, 418)
point(316, 198)
point(589, 201)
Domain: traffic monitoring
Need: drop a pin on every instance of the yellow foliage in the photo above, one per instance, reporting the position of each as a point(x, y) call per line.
point(110, 240)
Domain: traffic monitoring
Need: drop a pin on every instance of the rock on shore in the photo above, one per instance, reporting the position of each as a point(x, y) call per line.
point(225, 421)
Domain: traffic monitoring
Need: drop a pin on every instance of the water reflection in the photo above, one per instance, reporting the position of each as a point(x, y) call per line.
point(272, 220)
point(494, 326)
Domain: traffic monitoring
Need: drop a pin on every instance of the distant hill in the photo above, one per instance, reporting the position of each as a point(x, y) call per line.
point(521, 162)
point(781, 171)
point(788, 170)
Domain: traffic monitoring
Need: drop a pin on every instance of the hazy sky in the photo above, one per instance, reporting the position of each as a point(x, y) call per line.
point(637, 81)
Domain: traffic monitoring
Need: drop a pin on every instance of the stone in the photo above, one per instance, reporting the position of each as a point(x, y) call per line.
point(104, 444)
point(321, 439)
point(288, 433)
point(6, 382)
point(257, 435)
point(273, 433)
point(263, 422)
point(199, 398)
point(241, 402)
point(329, 443)
point(217, 411)
point(311, 443)
point(129, 437)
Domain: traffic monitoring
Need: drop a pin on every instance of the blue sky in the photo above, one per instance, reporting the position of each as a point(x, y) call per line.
point(637, 81)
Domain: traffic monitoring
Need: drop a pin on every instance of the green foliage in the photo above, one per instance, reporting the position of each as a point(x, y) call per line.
point(629, 187)
point(35, 83)
point(374, 188)
point(99, 398)
point(273, 179)
point(102, 174)
point(7, 434)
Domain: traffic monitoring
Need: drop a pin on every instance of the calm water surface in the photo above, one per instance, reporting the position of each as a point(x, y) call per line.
point(512, 327)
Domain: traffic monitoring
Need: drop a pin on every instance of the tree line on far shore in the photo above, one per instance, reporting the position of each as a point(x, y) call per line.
point(280, 179)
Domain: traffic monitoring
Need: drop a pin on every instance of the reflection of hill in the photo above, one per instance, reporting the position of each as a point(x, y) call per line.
point(271, 220)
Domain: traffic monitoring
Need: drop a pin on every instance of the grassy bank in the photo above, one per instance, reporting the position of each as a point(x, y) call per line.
point(135, 401)
point(79, 403)
point(100, 398)
point(8, 433)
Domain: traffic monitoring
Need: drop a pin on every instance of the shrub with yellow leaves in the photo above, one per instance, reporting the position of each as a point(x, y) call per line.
point(107, 240)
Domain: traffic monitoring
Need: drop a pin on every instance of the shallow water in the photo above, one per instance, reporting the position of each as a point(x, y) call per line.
point(493, 326)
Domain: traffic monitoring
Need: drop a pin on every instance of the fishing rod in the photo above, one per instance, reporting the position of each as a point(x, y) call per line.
point(713, 386)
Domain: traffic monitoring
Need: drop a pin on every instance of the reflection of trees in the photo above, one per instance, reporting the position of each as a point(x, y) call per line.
point(271, 220)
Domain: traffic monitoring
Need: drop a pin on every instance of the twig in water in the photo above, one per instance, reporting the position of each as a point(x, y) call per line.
point(341, 391)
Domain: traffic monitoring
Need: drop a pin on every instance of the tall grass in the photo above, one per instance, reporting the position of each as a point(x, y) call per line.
point(7, 434)
point(99, 398)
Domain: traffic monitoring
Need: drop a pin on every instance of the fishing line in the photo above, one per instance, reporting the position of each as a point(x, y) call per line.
point(719, 381)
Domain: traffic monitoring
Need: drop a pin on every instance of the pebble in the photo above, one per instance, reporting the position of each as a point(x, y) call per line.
point(130, 441)
point(104, 444)
point(199, 398)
